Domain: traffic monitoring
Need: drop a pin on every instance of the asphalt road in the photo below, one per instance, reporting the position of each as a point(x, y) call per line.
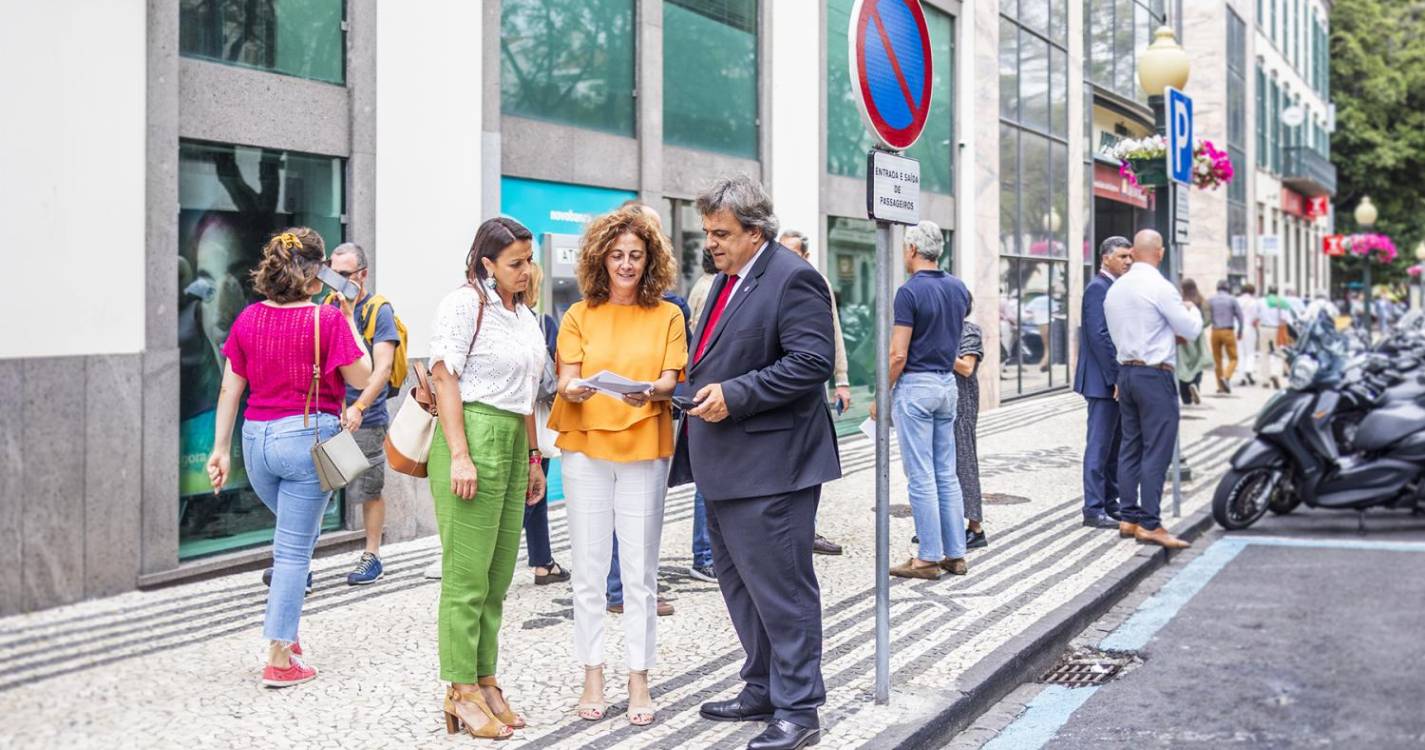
point(1300, 632)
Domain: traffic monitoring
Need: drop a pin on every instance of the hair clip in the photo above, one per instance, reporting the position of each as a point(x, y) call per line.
point(289, 241)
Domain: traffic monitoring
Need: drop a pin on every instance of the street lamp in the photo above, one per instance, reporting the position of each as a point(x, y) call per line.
point(1366, 218)
point(1163, 64)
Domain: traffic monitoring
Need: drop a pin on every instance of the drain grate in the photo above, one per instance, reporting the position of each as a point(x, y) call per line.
point(1086, 667)
point(900, 511)
point(1001, 498)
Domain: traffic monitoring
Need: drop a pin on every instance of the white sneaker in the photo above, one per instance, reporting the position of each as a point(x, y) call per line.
point(433, 570)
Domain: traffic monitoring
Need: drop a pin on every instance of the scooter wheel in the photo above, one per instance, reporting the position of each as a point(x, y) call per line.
point(1240, 499)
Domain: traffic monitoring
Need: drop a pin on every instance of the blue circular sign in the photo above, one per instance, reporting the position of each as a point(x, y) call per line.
point(891, 69)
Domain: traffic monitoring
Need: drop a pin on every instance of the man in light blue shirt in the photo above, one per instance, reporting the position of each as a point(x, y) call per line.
point(1146, 315)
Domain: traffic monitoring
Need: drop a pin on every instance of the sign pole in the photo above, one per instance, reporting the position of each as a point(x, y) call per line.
point(883, 462)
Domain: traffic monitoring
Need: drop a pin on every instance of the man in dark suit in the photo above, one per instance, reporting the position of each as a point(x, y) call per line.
point(759, 444)
point(1095, 380)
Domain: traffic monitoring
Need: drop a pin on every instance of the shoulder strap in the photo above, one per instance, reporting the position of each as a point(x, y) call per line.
point(313, 400)
point(479, 321)
point(373, 308)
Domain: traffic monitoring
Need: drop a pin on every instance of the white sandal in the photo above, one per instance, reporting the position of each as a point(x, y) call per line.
point(592, 711)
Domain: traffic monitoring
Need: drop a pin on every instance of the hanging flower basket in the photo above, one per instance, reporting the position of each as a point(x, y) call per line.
point(1143, 162)
point(1372, 245)
point(1415, 271)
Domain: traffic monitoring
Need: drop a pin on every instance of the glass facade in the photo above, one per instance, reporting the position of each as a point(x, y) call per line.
point(231, 200)
point(1034, 197)
point(569, 61)
point(1236, 148)
point(1119, 30)
point(846, 138)
point(295, 37)
point(710, 75)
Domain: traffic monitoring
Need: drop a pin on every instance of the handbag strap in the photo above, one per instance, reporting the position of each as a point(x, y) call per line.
point(314, 393)
point(479, 321)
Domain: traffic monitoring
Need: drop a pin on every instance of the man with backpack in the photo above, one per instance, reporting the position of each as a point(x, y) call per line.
point(365, 415)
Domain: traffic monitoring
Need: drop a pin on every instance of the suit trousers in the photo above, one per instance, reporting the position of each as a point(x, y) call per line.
point(1101, 458)
point(1224, 353)
point(1148, 406)
point(605, 496)
point(762, 554)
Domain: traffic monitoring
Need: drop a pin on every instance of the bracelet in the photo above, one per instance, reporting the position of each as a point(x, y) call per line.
point(535, 457)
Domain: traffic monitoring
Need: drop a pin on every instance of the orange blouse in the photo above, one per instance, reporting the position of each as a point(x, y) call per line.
point(639, 343)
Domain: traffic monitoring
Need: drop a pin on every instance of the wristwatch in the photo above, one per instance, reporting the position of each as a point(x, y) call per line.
point(535, 456)
point(359, 406)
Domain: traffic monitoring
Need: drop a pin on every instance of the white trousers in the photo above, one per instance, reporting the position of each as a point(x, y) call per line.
point(1266, 344)
point(604, 496)
point(1247, 351)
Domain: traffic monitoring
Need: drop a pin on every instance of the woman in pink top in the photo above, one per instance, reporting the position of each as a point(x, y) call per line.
point(270, 351)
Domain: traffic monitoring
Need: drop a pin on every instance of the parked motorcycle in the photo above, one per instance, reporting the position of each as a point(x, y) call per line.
point(1334, 401)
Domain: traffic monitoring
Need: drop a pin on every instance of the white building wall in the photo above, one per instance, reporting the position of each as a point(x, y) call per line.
point(796, 118)
point(428, 157)
point(72, 176)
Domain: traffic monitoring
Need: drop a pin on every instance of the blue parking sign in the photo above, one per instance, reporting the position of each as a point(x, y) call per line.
point(1180, 140)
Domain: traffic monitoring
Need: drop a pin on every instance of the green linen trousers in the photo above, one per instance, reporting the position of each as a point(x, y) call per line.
point(479, 539)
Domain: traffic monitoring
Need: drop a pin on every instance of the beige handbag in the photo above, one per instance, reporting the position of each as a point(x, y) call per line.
point(338, 460)
point(409, 436)
point(411, 431)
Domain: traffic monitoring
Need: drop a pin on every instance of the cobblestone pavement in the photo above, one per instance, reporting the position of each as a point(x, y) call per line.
point(178, 667)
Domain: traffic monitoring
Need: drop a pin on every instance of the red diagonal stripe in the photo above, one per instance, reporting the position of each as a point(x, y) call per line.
point(895, 64)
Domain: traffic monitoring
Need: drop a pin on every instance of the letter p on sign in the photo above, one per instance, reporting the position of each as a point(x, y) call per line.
point(1180, 141)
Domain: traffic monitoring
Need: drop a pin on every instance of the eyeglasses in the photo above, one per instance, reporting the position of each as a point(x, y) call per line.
point(348, 274)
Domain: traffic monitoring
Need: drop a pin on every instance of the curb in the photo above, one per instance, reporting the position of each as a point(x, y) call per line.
point(1025, 657)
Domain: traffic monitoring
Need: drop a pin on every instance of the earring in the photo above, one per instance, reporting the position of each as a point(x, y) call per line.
point(490, 283)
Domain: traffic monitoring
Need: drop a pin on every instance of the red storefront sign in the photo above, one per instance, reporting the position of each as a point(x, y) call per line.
point(1333, 244)
point(1293, 203)
point(1318, 206)
point(1107, 183)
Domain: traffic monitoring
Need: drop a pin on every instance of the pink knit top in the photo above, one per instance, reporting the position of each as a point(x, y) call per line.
point(272, 348)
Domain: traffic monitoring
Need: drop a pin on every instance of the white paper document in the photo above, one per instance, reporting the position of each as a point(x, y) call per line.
point(613, 384)
point(868, 428)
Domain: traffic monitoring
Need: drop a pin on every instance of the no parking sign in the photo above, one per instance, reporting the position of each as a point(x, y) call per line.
point(891, 69)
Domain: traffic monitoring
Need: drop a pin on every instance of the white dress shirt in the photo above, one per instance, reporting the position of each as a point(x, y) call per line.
point(1268, 316)
point(1146, 315)
point(742, 275)
point(504, 369)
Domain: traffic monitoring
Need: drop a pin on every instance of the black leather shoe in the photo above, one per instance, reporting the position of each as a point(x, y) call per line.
point(734, 710)
point(975, 539)
point(1113, 513)
point(1100, 522)
point(823, 546)
point(784, 735)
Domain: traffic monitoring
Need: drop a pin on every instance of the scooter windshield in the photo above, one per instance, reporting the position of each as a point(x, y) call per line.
point(1329, 347)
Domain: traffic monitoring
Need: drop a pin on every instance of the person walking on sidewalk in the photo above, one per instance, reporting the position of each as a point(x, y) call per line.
point(487, 357)
point(930, 309)
point(760, 443)
point(1193, 355)
point(967, 420)
point(616, 450)
point(366, 417)
point(536, 514)
point(799, 243)
point(1096, 379)
point(297, 358)
point(1271, 319)
point(1227, 324)
point(1247, 350)
point(1145, 317)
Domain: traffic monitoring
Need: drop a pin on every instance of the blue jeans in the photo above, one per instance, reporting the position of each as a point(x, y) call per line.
point(702, 551)
point(278, 457)
point(924, 405)
point(536, 529)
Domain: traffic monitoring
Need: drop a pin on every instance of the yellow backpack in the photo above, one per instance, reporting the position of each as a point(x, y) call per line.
point(399, 365)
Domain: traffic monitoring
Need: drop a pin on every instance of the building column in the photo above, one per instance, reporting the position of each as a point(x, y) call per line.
point(793, 82)
point(979, 184)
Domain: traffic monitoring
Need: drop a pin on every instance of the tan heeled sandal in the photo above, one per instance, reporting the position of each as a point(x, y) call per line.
point(508, 716)
point(593, 711)
point(491, 729)
point(640, 715)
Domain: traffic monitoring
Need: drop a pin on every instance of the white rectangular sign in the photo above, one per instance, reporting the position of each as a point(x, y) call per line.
point(1269, 244)
point(892, 188)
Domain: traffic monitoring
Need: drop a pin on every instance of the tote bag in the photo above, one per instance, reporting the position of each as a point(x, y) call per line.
point(338, 460)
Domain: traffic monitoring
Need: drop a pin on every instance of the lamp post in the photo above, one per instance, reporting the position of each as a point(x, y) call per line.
point(1163, 64)
point(1366, 218)
point(1420, 280)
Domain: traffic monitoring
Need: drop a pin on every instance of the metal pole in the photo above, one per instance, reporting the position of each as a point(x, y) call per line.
point(1163, 212)
point(1370, 334)
point(883, 462)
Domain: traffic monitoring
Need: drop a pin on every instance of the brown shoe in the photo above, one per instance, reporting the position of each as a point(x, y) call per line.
point(909, 569)
point(1160, 537)
point(1127, 530)
point(664, 608)
point(955, 566)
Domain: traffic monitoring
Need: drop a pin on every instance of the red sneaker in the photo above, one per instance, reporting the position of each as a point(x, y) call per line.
point(296, 648)
point(295, 674)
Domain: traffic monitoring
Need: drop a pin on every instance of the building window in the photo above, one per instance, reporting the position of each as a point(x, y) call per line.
point(1236, 148)
point(846, 138)
point(1119, 30)
point(1034, 199)
point(231, 200)
point(294, 37)
point(710, 75)
point(569, 61)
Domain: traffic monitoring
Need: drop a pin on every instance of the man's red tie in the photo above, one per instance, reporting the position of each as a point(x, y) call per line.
point(713, 316)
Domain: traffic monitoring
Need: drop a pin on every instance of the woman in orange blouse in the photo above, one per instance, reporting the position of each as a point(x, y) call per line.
point(616, 449)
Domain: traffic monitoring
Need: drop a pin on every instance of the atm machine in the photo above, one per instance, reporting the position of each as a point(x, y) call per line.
point(559, 257)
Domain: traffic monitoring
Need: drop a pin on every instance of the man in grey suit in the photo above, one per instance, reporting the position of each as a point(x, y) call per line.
point(759, 444)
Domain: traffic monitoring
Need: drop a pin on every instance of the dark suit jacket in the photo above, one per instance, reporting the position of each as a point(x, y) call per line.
point(1098, 358)
point(772, 352)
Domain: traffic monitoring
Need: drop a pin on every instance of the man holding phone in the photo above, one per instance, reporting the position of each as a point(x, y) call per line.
point(366, 416)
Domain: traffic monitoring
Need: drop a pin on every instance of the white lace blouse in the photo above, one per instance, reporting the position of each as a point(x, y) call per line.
point(503, 370)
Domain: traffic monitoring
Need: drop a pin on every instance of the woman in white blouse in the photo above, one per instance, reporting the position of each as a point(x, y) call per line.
point(487, 355)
